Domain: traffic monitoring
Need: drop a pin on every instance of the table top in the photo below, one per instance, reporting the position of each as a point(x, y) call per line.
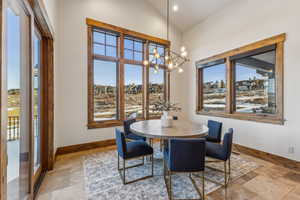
point(180, 129)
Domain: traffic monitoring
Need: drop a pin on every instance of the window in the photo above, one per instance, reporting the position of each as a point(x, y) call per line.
point(245, 83)
point(118, 82)
point(214, 88)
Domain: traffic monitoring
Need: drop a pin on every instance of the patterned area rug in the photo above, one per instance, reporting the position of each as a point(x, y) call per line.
point(102, 179)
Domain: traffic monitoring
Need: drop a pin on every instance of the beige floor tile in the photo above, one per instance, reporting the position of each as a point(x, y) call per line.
point(265, 187)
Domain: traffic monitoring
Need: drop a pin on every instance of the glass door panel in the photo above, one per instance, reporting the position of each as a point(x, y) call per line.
point(18, 101)
point(37, 100)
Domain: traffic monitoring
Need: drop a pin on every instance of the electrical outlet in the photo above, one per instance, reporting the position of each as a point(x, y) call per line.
point(291, 150)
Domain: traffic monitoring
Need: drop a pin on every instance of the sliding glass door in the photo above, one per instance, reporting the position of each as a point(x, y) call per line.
point(18, 59)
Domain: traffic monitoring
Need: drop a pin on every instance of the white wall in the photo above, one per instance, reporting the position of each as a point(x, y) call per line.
point(238, 24)
point(71, 74)
point(51, 8)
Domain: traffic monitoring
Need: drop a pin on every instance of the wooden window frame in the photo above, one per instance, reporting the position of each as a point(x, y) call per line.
point(278, 117)
point(121, 61)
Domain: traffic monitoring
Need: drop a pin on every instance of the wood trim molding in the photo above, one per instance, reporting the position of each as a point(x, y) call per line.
point(42, 17)
point(243, 116)
point(259, 44)
point(99, 24)
point(84, 146)
point(105, 124)
point(278, 160)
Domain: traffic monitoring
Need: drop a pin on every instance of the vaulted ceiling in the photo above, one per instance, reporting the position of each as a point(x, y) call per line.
point(190, 12)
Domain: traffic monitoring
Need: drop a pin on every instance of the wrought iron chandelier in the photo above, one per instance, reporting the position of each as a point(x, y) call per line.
point(173, 60)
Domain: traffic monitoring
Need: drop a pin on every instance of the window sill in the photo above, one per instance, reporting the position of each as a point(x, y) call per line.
point(271, 119)
point(104, 124)
point(107, 124)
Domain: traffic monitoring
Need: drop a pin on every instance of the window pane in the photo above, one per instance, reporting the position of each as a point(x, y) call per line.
point(111, 40)
point(156, 89)
point(37, 100)
point(99, 37)
point(105, 90)
point(128, 44)
point(214, 88)
point(255, 84)
point(161, 61)
point(138, 46)
point(151, 48)
point(99, 49)
point(138, 56)
point(111, 51)
point(151, 58)
point(161, 50)
point(128, 54)
point(133, 90)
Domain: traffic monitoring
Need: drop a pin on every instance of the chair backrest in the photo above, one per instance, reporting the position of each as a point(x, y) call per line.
point(121, 143)
point(227, 143)
point(127, 123)
point(187, 155)
point(215, 130)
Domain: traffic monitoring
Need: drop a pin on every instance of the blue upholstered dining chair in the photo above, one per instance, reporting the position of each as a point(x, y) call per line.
point(222, 153)
point(128, 134)
point(184, 155)
point(132, 150)
point(215, 131)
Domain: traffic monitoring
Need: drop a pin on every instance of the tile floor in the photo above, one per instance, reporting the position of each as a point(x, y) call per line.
point(269, 182)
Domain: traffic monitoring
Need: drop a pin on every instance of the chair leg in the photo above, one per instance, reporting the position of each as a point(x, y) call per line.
point(168, 180)
point(151, 144)
point(161, 145)
point(225, 173)
point(203, 186)
point(118, 162)
point(199, 192)
point(124, 169)
point(170, 185)
point(152, 165)
point(229, 163)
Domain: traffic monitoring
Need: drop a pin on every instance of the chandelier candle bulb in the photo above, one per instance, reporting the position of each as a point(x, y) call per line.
point(175, 8)
point(146, 62)
point(184, 54)
point(182, 49)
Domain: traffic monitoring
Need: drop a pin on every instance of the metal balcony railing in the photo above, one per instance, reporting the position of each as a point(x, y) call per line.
point(13, 127)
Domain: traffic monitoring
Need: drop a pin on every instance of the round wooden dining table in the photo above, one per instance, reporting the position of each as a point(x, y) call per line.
point(152, 129)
